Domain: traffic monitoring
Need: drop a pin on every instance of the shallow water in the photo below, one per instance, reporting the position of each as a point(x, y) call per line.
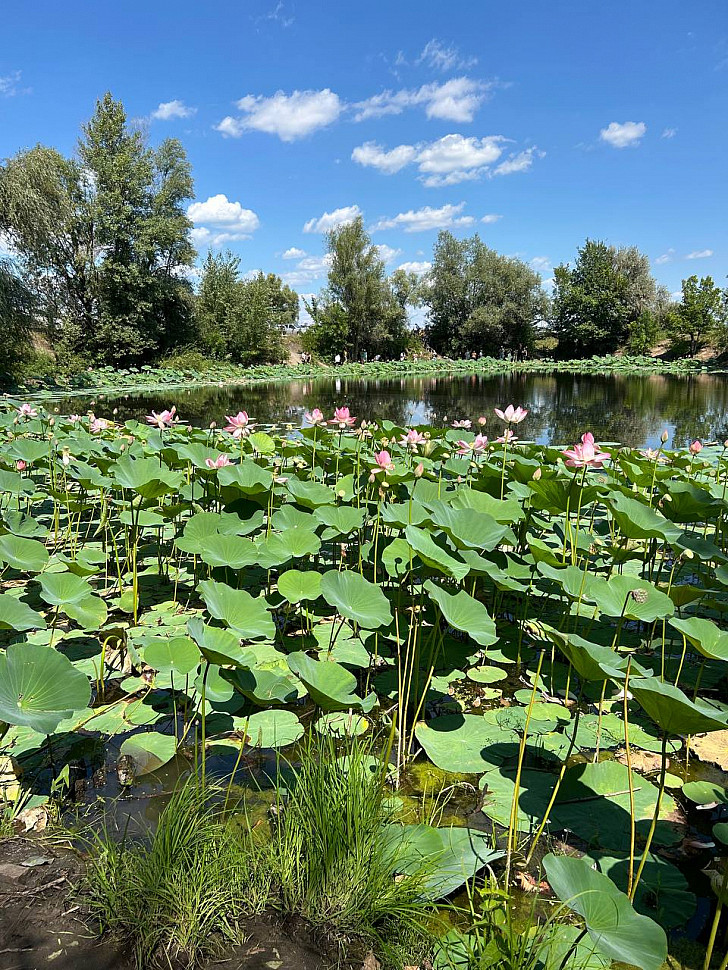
point(630, 410)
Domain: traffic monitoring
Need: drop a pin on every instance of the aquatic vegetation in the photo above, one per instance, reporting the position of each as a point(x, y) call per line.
point(209, 595)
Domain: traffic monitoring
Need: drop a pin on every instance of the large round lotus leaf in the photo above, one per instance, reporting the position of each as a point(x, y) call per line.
point(463, 612)
point(397, 558)
point(433, 555)
point(570, 579)
point(174, 653)
point(342, 519)
point(247, 477)
point(218, 646)
point(292, 544)
point(672, 711)
point(39, 687)
point(342, 724)
point(289, 517)
point(145, 476)
point(458, 742)
point(616, 929)
point(28, 555)
point(310, 494)
point(637, 520)
point(24, 525)
point(705, 792)
point(704, 635)
point(356, 598)
point(403, 514)
point(449, 855)
point(149, 751)
point(296, 585)
point(266, 685)
point(217, 688)
point(271, 729)
point(588, 659)
point(662, 893)
point(248, 616)
point(15, 615)
point(486, 674)
point(60, 589)
point(227, 550)
point(330, 685)
point(507, 511)
point(720, 832)
point(90, 613)
point(467, 528)
point(629, 596)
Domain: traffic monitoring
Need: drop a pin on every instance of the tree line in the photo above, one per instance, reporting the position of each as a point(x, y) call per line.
point(103, 271)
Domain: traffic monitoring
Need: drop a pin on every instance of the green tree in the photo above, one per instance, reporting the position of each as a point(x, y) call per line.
point(17, 307)
point(360, 309)
point(600, 299)
point(481, 301)
point(700, 318)
point(103, 238)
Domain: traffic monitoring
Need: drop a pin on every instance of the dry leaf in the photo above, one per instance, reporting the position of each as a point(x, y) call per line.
point(528, 884)
point(712, 748)
point(371, 962)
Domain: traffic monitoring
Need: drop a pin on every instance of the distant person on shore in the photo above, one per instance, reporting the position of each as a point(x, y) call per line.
point(364, 356)
point(337, 359)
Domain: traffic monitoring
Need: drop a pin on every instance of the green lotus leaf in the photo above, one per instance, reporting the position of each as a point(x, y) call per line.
point(296, 585)
point(247, 477)
point(330, 685)
point(292, 544)
point(468, 528)
point(707, 638)
point(630, 596)
point(39, 687)
point(16, 615)
point(271, 729)
point(356, 598)
point(246, 615)
point(433, 555)
point(149, 750)
point(397, 558)
point(145, 476)
point(464, 612)
point(236, 552)
point(74, 596)
point(673, 711)
point(342, 724)
point(459, 742)
point(218, 646)
point(486, 674)
point(637, 520)
point(180, 654)
point(310, 495)
point(663, 893)
point(705, 792)
point(616, 929)
point(720, 832)
point(342, 519)
point(28, 555)
point(265, 684)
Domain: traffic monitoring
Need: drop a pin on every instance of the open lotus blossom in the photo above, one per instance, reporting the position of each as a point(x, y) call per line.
point(27, 411)
point(507, 438)
point(21, 465)
point(98, 424)
point(343, 418)
point(315, 418)
point(412, 439)
point(465, 423)
point(218, 462)
point(477, 446)
point(165, 419)
point(512, 415)
point(696, 447)
point(652, 454)
point(238, 424)
point(586, 454)
point(384, 462)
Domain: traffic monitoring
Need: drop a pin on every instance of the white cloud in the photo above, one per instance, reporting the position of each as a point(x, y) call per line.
point(541, 264)
point(331, 220)
point(699, 254)
point(490, 218)
point(251, 274)
point(169, 110)
point(420, 220)
point(10, 85)
point(294, 253)
point(290, 116)
point(220, 212)
point(443, 57)
point(668, 133)
point(455, 100)
point(447, 161)
point(6, 247)
point(665, 257)
point(676, 296)
point(415, 266)
point(203, 237)
point(520, 162)
point(623, 135)
point(387, 253)
point(308, 270)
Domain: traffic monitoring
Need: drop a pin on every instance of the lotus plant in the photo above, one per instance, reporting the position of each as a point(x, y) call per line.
point(511, 415)
point(315, 418)
point(27, 411)
point(342, 419)
point(586, 454)
point(220, 462)
point(238, 425)
point(412, 439)
point(165, 419)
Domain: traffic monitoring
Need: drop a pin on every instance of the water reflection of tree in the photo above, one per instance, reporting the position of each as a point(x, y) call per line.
point(633, 410)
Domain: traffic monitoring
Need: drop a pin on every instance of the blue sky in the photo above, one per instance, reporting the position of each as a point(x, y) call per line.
point(535, 124)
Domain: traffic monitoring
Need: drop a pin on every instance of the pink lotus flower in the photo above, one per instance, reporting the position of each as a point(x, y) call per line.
point(465, 423)
point(652, 454)
point(165, 419)
point(587, 454)
point(27, 411)
point(315, 418)
point(218, 462)
point(412, 439)
point(75, 418)
point(238, 424)
point(477, 446)
point(98, 424)
point(696, 447)
point(343, 418)
point(21, 465)
point(384, 462)
point(507, 438)
point(511, 415)
point(482, 421)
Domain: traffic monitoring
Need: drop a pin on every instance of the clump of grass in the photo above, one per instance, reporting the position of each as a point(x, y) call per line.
point(331, 855)
point(181, 895)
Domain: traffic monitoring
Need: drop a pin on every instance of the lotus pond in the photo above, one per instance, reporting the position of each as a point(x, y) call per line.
point(533, 636)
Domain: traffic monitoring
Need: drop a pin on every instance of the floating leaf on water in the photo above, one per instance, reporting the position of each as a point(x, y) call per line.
point(149, 751)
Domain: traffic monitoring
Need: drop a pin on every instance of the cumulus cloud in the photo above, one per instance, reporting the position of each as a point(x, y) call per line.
point(625, 135)
point(665, 258)
point(332, 220)
point(387, 253)
point(699, 254)
point(219, 221)
point(308, 270)
point(444, 57)
point(420, 220)
point(455, 100)
point(294, 253)
point(490, 218)
point(447, 161)
point(541, 264)
point(169, 110)
point(289, 116)
point(415, 266)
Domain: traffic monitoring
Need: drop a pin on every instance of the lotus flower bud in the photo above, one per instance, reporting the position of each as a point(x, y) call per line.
point(213, 425)
point(482, 421)
point(115, 411)
point(537, 475)
point(687, 554)
point(639, 595)
point(696, 447)
point(419, 470)
point(664, 436)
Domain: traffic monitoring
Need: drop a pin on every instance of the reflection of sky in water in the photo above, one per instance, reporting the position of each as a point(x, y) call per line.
point(631, 410)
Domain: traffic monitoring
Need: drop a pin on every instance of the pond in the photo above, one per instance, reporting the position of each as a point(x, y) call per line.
point(631, 410)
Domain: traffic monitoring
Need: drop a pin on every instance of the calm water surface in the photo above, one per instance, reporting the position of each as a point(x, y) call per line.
point(630, 410)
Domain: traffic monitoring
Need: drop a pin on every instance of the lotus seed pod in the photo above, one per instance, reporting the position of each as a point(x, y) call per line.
point(639, 595)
